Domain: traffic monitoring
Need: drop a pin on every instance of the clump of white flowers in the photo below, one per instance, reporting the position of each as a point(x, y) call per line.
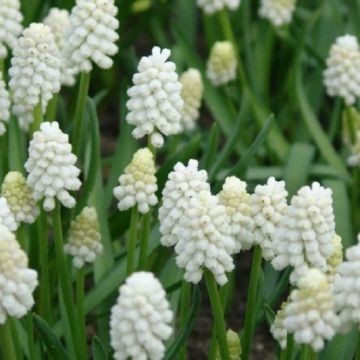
point(305, 237)
point(10, 25)
point(17, 281)
point(51, 166)
point(4, 105)
point(341, 77)
point(34, 72)
point(6, 216)
point(212, 6)
point(346, 289)
point(92, 35)
point(278, 12)
point(277, 329)
point(222, 63)
point(59, 21)
point(155, 104)
point(84, 241)
point(138, 183)
point(140, 320)
point(268, 206)
point(335, 259)
point(183, 183)
point(236, 200)
point(310, 312)
point(19, 197)
point(205, 240)
point(191, 93)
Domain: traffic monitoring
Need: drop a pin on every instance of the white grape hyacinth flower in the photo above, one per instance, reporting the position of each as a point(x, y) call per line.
point(59, 22)
point(20, 198)
point(212, 6)
point(10, 25)
point(7, 218)
point(155, 105)
point(278, 329)
point(268, 206)
point(346, 289)
point(4, 106)
point(34, 72)
point(237, 202)
point(342, 74)
point(138, 183)
point(183, 183)
point(204, 239)
point(335, 259)
point(92, 35)
point(278, 12)
point(17, 281)
point(310, 312)
point(84, 241)
point(51, 168)
point(305, 236)
point(141, 319)
point(222, 63)
point(191, 93)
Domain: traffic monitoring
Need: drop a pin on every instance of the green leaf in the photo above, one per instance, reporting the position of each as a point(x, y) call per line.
point(98, 349)
point(269, 314)
point(54, 346)
point(211, 147)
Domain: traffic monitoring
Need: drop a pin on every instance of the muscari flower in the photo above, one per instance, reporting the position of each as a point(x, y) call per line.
point(212, 6)
point(335, 259)
point(155, 103)
point(183, 183)
point(191, 93)
point(278, 12)
point(342, 75)
point(305, 236)
point(10, 25)
point(19, 197)
point(6, 216)
point(17, 281)
point(4, 105)
point(51, 166)
point(222, 63)
point(92, 35)
point(278, 329)
point(34, 72)
point(234, 345)
point(138, 183)
point(140, 320)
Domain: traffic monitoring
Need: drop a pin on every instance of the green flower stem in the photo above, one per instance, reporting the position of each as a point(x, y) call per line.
point(65, 284)
point(51, 111)
point(306, 353)
point(184, 311)
point(144, 240)
point(351, 125)
point(80, 111)
point(218, 314)
point(4, 157)
point(287, 353)
point(80, 294)
point(2, 68)
point(130, 265)
point(30, 336)
point(38, 117)
point(21, 237)
point(250, 310)
point(15, 153)
point(6, 341)
point(357, 351)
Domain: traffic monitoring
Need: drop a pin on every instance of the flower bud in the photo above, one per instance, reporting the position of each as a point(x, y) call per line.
point(278, 12)
point(212, 6)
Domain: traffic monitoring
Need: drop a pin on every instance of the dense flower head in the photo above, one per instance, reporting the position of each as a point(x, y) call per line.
point(222, 63)
point(268, 206)
point(155, 103)
point(342, 75)
point(6, 216)
point(4, 105)
point(305, 237)
point(84, 241)
point(191, 93)
point(19, 197)
point(51, 166)
point(92, 35)
point(17, 281)
point(59, 21)
point(204, 239)
point(183, 183)
point(138, 183)
point(278, 12)
point(346, 289)
point(212, 6)
point(34, 71)
point(140, 320)
point(354, 157)
point(234, 345)
point(278, 329)
point(335, 259)
point(310, 312)
point(10, 25)
point(236, 200)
